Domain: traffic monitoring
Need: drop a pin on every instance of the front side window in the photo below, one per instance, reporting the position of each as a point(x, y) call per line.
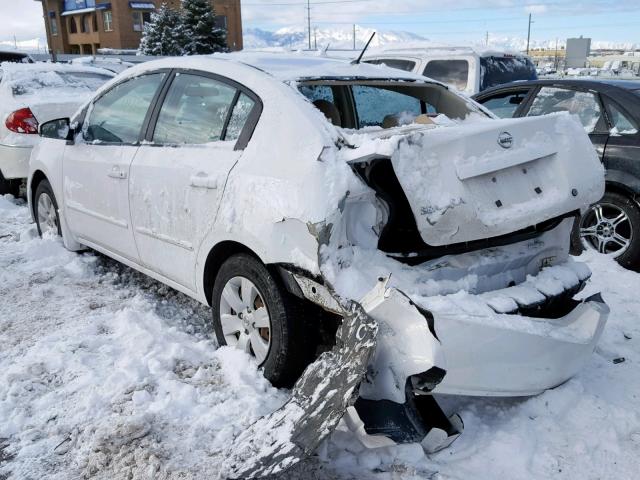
point(504, 105)
point(451, 72)
point(107, 18)
point(384, 108)
point(195, 111)
point(118, 115)
point(583, 104)
point(621, 123)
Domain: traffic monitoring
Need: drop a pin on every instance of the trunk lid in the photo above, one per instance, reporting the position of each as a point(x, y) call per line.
point(483, 179)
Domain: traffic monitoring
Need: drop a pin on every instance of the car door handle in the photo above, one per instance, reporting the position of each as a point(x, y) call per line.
point(202, 180)
point(115, 172)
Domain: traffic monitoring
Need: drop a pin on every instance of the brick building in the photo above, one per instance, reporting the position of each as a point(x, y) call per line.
point(84, 26)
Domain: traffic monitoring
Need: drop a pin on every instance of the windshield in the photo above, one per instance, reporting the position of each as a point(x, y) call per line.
point(499, 70)
point(387, 105)
point(52, 80)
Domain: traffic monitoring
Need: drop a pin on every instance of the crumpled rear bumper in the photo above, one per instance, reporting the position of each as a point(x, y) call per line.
point(523, 355)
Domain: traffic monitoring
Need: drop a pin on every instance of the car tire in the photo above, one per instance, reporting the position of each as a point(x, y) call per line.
point(45, 209)
point(10, 186)
point(606, 224)
point(292, 339)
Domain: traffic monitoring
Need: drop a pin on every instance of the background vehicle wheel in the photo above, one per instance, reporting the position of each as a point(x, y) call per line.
point(252, 312)
point(46, 210)
point(10, 186)
point(612, 227)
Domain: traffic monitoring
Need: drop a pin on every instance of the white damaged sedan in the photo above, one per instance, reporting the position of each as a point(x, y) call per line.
point(366, 223)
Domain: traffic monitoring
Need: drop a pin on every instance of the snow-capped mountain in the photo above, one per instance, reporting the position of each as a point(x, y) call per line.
point(295, 38)
point(342, 38)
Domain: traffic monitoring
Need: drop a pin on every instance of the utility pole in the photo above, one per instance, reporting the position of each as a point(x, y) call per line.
point(315, 38)
point(354, 36)
point(15, 42)
point(529, 34)
point(555, 62)
point(309, 21)
point(486, 42)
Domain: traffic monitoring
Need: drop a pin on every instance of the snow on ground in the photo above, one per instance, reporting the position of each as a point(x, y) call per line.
point(107, 374)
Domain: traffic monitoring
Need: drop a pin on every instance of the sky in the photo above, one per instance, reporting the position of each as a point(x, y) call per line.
point(437, 20)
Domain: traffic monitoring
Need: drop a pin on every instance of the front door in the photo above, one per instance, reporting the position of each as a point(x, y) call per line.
point(96, 168)
point(177, 179)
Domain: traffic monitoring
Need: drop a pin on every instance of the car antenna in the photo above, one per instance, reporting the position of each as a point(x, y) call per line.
point(357, 61)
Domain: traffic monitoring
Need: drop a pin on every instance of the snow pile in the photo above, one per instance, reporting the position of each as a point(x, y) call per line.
point(106, 374)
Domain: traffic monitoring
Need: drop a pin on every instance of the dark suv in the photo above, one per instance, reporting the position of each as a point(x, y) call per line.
point(610, 112)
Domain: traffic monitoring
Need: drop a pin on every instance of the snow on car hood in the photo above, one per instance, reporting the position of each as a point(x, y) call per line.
point(475, 180)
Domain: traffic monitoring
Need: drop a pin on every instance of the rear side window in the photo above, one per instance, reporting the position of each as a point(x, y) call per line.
point(451, 72)
point(239, 117)
point(195, 111)
point(504, 105)
point(406, 65)
point(583, 104)
point(383, 108)
point(621, 123)
point(118, 115)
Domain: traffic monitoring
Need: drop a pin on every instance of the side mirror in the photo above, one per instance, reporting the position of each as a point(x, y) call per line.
point(517, 100)
point(59, 129)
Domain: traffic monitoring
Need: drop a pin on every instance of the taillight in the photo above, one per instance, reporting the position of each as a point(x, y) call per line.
point(22, 121)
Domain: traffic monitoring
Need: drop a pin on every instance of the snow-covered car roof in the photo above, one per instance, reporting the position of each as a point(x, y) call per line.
point(16, 71)
point(450, 50)
point(284, 67)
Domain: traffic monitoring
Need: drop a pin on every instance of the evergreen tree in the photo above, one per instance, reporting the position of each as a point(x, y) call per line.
point(201, 36)
point(164, 34)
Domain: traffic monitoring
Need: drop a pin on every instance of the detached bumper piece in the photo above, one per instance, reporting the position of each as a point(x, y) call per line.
point(419, 420)
point(319, 399)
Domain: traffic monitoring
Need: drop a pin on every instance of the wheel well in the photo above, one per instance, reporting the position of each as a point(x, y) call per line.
point(622, 190)
point(36, 178)
point(216, 258)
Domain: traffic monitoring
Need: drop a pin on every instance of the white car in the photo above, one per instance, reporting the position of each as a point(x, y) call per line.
point(463, 68)
point(113, 64)
point(31, 94)
point(290, 192)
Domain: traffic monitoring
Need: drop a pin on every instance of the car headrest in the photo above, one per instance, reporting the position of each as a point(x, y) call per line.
point(330, 111)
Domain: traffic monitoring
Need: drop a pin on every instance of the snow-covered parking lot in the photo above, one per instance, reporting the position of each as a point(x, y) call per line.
point(105, 373)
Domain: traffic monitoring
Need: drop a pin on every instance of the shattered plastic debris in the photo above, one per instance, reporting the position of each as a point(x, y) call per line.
point(319, 399)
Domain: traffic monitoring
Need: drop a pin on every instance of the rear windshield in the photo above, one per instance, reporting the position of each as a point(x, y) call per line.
point(63, 81)
point(361, 105)
point(499, 70)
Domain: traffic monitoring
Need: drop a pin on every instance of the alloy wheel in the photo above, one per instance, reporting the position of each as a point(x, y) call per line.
point(607, 229)
point(245, 319)
point(47, 217)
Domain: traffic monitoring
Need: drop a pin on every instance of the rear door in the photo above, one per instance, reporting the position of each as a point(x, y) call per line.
point(623, 148)
point(96, 167)
point(583, 103)
point(196, 136)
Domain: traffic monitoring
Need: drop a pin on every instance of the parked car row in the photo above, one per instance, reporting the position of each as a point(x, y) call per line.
point(609, 111)
point(32, 94)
